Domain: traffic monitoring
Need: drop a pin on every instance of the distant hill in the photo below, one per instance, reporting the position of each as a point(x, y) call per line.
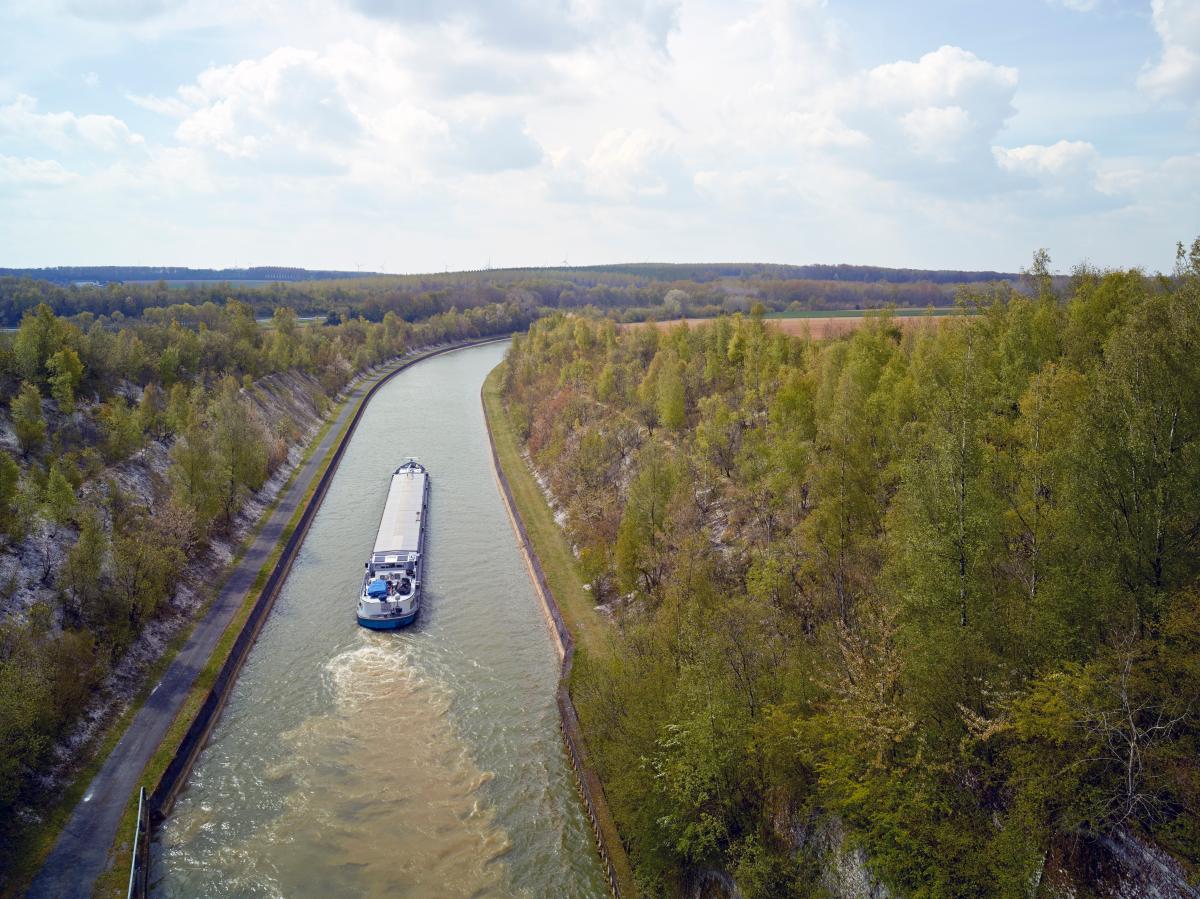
point(630, 292)
point(701, 272)
point(646, 271)
point(122, 274)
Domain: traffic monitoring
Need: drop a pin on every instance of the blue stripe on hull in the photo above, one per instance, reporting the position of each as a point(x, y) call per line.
point(387, 624)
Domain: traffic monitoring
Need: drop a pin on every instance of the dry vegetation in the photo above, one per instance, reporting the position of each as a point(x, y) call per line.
point(815, 328)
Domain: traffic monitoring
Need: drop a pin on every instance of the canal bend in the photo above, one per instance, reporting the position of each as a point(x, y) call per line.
point(425, 762)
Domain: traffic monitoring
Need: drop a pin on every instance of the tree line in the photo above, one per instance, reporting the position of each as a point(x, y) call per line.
point(94, 558)
point(631, 292)
point(930, 593)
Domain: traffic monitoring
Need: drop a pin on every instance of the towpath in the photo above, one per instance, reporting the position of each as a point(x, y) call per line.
point(81, 853)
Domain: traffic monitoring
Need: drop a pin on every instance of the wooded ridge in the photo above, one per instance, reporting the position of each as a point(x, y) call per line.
point(94, 552)
point(922, 602)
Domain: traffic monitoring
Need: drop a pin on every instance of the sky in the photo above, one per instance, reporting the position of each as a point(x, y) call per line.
point(425, 135)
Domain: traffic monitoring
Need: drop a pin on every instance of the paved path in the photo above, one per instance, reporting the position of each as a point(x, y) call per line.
point(81, 853)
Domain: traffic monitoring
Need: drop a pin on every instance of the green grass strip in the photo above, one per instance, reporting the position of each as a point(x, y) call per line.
point(113, 882)
point(577, 605)
point(588, 628)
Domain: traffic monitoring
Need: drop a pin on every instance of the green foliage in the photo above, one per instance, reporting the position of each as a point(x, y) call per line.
point(39, 338)
point(152, 415)
point(24, 703)
point(672, 400)
point(239, 443)
point(932, 587)
point(641, 538)
point(10, 474)
point(194, 474)
point(122, 429)
point(197, 370)
point(59, 497)
point(65, 373)
point(146, 563)
point(27, 418)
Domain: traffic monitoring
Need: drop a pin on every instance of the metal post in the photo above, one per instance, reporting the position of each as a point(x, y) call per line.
point(137, 833)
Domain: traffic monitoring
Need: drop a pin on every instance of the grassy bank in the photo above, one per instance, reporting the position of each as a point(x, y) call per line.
point(553, 550)
point(589, 630)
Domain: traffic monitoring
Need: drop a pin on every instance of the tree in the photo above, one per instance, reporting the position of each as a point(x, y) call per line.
point(145, 563)
point(1139, 441)
point(39, 337)
point(152, 417)
point(1039, 275)
point(641, 540)
point(122, 428)
point(672, 399)
point(60, 497)
point(66, 371)
point(27, 418)
point(240, 447)
point(719, 434)
point(86, 601)
point(195, 476)
point(284, 338)
point(24, 701)
point(10, 474)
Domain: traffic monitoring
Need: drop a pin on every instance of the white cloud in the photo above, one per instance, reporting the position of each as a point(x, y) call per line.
point(491, 145)
point(64, 130)
point(1061, 177)
point(625, 166)
point(533, 25)
point(289, 109)
point(351, 109)
point(465, 123)
point(35, 172)
point(935, 132)
point(167, 106)
point(931, 121)
point(1177, 73)
point(1173, 182)
point(1054, 161)
point(120, 10)
point(1066, 178)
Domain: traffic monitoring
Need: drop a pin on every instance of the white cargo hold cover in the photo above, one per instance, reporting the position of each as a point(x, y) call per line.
point(400, 527)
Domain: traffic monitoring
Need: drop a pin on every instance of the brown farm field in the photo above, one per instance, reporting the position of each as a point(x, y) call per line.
point(817, 328)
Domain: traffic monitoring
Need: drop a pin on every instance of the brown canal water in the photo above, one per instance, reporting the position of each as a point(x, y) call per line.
point(420, 762)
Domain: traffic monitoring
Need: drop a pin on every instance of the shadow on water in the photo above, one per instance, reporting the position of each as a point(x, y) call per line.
point(420, 763)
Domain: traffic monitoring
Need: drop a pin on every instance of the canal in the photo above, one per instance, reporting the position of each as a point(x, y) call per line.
point(425, 762)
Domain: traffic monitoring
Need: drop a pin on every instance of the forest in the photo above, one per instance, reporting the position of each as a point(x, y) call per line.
point(926, 598)
point(89, 561)
point(628, 292)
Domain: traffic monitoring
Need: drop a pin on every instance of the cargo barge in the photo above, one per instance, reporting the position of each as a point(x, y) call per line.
point(391, 589)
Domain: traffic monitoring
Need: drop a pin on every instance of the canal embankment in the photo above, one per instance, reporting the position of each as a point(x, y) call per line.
point(422, 762)
point(97, 834)
point(569, 612)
